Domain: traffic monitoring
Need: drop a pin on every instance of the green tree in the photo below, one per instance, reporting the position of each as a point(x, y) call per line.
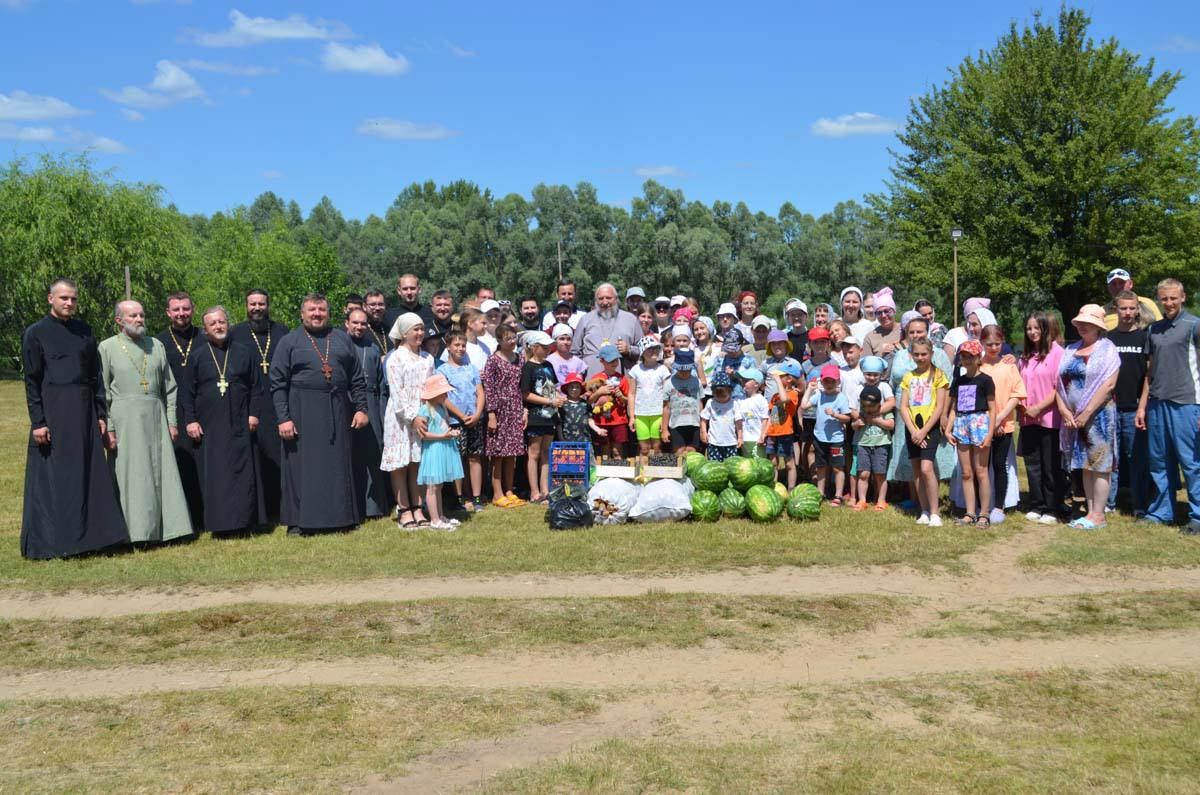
point(1059, 158)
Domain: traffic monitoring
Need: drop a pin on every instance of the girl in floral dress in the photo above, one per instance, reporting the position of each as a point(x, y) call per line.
point(506, 416)
point(408, 367)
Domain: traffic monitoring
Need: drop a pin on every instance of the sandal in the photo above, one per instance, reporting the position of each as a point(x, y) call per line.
point(503, 502)
point(983, 522)
point(542, 500)
point(861, 505)
point(1082, 523)
point(966, 520)
point(410, 524)
point(514, 501)
point(880, 507)
point(836, 502)
point(423, 521)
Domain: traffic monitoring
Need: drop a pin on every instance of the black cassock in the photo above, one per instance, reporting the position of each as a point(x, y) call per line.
point(373, 485)
point(228, 451)
point(181, 355)
point(71, 503)
point(318, 472)
point(270, 454)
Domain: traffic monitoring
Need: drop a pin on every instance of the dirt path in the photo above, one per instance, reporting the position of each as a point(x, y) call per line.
point(995, 576)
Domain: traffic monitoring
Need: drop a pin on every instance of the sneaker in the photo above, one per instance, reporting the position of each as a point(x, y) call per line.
point(445, 526)
point(1047, 518)
point(997, 516)
point(924, 519)
point(935, 521)
point(1033, 516)
point(453, 522)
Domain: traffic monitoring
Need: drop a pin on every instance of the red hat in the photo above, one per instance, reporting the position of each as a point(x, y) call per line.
point(971, 348)
point(831, 371)
point(572, 378)
point(818, 333)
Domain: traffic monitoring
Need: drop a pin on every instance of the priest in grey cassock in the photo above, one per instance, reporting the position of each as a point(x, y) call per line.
point(320, 397)
point(180, 340)
point(373, 484)
point(262, 335)
point(71, 504)
point(222, 403)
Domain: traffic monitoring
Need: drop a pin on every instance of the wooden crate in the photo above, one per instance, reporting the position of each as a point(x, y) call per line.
point(672, 472)
point(628, 470)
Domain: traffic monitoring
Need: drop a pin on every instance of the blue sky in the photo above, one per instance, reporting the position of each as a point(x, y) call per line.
point(760, 102)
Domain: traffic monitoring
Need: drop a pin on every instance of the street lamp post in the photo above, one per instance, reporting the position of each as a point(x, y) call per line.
point(955, 234)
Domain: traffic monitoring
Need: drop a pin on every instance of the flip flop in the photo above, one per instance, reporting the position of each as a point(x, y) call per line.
point(1082, 523)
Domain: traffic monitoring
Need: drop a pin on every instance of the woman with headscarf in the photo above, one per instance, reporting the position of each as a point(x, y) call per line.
point(1084, 393)
point(960, 334)
point(708, 350)
point(885, 338)
point(823, 315)
point(851, 301)
point(408, 367)
point(747, 308)
point(900, 469)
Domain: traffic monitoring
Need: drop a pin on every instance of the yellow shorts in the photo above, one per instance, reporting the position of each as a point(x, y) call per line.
point(649, 427)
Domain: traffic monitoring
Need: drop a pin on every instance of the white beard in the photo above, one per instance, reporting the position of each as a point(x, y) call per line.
point(134, 330)
point(607, 314)
point(214, 336)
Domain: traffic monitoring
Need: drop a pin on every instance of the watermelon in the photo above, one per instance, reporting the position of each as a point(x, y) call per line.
point(762, 503)
point(804, 502)
point(781, 490)
point(711, 477)
point(752, 450)
point(693, 462)
point(764, 471)
point(741, 472)
point(705, 506)
point(733, 504)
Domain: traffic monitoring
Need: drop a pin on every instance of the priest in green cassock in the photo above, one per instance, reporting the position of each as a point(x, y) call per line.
point(70, 505)
point(374, 488)
point(141, 393)
point(320, 397)
point(222, 403)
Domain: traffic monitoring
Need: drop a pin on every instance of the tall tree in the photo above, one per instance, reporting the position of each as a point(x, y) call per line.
point(1059, 157)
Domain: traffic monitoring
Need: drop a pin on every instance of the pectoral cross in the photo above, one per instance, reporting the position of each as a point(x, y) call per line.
point(327, 371)
point(145, 386)
point(222, 385)
point(265, 366)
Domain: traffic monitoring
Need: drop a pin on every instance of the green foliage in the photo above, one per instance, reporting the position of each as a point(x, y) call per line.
point(1059, 158)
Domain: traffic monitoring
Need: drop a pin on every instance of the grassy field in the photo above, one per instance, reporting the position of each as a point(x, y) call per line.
point(1056, 732)
point(313, 739)
point(1123, 543)
point(246, 633)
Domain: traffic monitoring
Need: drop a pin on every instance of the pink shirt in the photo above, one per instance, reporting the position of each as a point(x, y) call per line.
point(563, 367)
point(1040, 379)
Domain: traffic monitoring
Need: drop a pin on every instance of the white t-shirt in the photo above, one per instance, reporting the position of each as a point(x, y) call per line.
point(477, 355)
point(852, 383)
point(649, 383)
point(548, 320)
point(488, 341)
point(861, 328)
point(885, 391)
point(721, 419)
point(955, 337)
point(752, 411)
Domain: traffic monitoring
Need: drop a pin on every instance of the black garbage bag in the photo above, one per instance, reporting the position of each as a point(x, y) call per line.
point(569, 513)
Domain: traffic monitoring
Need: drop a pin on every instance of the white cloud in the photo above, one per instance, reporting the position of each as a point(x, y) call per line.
point(853, 124)
point(229, 69)
point(20, 106)
point(99, 143)
point(460, 52)
point(244, 31)
point(15, 5)
point(369, 58)
point(11, 132)
point(171, 84)
point(1182, 44)
point(660, 171)
point(271, 173)
point(400, 130)
point(70, 137)
point(132, 115)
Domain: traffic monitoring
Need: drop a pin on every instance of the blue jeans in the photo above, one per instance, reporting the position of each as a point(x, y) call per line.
point(1172, 428)
point(1133, 464)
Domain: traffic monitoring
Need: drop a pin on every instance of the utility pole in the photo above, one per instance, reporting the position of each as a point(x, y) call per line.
point(955, 234)
point(128, 291)
point(560, 276)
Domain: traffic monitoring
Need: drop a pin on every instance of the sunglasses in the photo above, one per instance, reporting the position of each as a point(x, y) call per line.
point(885, 311)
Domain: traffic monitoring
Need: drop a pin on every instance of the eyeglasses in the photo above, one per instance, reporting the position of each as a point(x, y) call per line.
point(885, 312)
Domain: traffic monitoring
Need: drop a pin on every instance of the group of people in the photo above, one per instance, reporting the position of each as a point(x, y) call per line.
point(233, 428)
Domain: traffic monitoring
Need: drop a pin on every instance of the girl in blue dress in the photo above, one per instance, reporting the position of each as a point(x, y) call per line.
point(440, 462)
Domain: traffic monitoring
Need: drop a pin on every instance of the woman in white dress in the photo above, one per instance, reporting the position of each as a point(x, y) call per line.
point(408, 367)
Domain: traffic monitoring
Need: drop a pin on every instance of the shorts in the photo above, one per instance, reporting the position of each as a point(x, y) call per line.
point(929, 451)
point(830, 454)
point(533, 434)
point(685, 436)
point(471, 438)
point(779, 445)
point(971, 428)
point(719, 452)
point(617, 434)
point(649, 427)
point(874, 459)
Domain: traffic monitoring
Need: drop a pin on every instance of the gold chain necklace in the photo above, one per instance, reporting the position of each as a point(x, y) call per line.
point(262, 352)
point(222, 384)
point(145, 362)
point(381, 339)
point(184, 354)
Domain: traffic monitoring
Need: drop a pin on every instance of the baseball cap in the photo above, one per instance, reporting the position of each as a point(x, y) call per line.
point(561, 305)
point(572, 378)
point(791, 368)
point(750, 374)
point(562, 330)
point(678, 300)
point(608, 353)
point(726, 309)
point(536, 338)
point(489, 305)
point(760, 321)
point(431, 332)
point(870, 394)
point(872, 364)
point(795, 303)
point(662, 299)
point(851, 340)
point(972, 348)
point(818, 333)
point(732, 342)
point(632, 291)
point(1118, 273)
point(831, 371)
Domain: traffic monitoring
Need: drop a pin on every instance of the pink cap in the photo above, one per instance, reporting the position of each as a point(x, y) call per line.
point(831, 371)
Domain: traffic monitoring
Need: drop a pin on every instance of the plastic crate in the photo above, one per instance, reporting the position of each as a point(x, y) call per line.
point(571, 462)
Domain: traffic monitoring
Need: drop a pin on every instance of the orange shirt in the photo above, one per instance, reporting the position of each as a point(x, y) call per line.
point(781, 413)
point(1009, 384)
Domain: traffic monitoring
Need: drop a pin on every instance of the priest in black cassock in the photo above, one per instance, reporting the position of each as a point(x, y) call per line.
point(373, 484)
point(320, 398)
point(375, 305)
point(71, 503)
point(262, 336)
point(180, 340)
point(222, 403)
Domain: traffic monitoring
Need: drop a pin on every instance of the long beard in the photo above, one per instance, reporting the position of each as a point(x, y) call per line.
point(134, 330)
point(606, 314)
point(260, 323)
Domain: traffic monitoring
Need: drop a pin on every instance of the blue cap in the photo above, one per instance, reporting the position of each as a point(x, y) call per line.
point(750, 374)
point(790, 368)
point(720, 379)
point(684, 360)
point(872, 364)
point(608, 353)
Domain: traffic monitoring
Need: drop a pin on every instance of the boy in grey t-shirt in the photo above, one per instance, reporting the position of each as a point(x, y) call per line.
point(681, 405)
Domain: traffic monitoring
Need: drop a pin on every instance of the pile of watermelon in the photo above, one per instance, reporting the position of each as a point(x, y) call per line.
point(741, 486)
